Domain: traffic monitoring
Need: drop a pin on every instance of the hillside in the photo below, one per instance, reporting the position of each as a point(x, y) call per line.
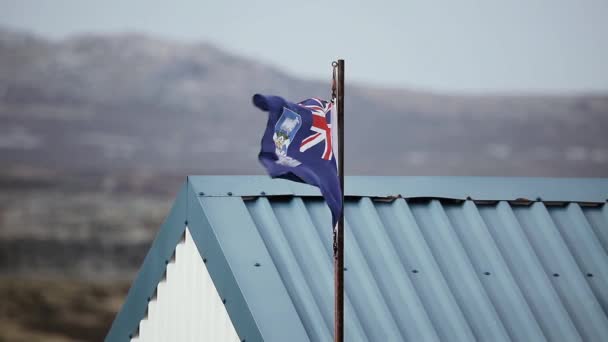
point(98, 131)
point(104, 104)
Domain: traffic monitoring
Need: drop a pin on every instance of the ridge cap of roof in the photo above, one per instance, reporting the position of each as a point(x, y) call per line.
point(592, 190)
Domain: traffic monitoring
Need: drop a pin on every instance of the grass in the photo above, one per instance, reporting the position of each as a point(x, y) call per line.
point(58, 309)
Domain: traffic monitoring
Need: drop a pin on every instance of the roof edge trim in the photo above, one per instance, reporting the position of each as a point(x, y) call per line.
point(590, 190)
point(151, 272)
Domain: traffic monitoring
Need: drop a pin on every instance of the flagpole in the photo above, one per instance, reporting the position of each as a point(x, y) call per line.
point(339, 230)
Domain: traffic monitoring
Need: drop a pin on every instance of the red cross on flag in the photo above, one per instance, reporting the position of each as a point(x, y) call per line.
point(322, 129)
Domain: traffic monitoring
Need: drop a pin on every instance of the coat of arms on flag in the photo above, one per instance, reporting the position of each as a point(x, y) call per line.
point(297, 145)
point(284, 132)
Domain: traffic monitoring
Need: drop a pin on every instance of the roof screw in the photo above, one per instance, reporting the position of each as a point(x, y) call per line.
point(205, 260)
point(166, 262)
point(130, 335)
point(224, 300)
point(148, 299)
point(346, 268)
point(486, 273)
point(538, 199)
point(414, 271)
point(589, 275)
point(257, 264)
point(201, 194)
point(186, 222)
point(263, 193)
point(229, 193)
point(469, 198)
point(556, 274)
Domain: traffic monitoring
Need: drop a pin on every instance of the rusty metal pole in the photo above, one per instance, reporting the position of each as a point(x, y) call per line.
point(339, 230)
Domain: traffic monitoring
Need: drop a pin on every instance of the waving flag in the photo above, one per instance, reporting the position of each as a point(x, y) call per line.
point(297, 145)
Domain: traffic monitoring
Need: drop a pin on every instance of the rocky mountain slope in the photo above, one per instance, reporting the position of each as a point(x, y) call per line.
point(104, 104)
point(98, 131)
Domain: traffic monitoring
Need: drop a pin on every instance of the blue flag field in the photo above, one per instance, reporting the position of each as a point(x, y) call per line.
point(297, 145)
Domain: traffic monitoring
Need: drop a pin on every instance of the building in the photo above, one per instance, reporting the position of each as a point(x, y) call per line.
point(244, 258)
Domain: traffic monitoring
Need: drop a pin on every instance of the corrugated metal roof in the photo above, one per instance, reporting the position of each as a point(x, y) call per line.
point(526, 259)
point(476, 188)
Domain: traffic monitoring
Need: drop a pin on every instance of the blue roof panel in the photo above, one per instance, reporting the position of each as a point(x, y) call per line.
point(477, 188)
point(524, 259)
point(429, 268)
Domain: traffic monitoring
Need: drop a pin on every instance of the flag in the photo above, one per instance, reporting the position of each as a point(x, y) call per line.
point(297, 145)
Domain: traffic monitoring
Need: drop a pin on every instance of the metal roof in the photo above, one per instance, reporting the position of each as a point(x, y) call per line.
point(427, 258)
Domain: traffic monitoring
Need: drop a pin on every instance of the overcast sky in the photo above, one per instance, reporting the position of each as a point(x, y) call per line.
point(454, 46)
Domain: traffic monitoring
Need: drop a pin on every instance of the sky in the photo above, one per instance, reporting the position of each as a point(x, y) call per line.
point(466, 46)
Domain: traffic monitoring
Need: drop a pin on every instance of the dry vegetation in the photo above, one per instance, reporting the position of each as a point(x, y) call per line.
point(58, 309)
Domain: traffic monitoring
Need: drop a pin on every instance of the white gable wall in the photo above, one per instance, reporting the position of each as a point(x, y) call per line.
point(187, 306)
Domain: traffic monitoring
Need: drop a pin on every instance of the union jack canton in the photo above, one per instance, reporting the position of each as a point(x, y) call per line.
point(297, 145)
